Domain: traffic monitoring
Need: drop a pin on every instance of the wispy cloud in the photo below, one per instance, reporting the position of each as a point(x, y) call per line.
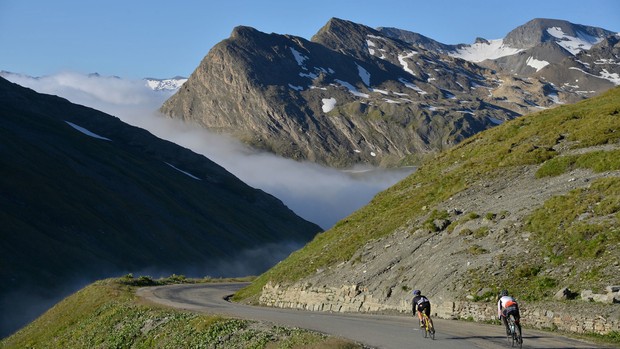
point(319, 194)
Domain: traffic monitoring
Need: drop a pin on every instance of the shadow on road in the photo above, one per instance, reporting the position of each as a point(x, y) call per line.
point(476, 337)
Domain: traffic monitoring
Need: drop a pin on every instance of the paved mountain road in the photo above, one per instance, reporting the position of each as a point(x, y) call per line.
point(373, 330)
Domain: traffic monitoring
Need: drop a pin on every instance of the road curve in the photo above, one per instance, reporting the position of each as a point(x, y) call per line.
point(377, 331)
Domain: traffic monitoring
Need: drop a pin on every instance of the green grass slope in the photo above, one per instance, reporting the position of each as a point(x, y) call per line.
point(551, 141)
point(107, 314)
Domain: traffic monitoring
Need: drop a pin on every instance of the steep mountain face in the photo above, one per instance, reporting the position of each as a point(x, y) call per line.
point(85, 196)
point(356, 95)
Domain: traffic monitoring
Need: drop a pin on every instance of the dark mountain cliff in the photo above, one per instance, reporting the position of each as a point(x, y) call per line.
point(84, 196)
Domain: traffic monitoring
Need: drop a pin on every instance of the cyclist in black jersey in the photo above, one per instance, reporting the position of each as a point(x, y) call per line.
point(420, 304)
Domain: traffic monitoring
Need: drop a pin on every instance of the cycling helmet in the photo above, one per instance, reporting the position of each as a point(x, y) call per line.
point(416, 292)
point(503, 293)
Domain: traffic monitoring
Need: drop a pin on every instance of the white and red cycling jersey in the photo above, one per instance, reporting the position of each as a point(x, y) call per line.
point(505, 302)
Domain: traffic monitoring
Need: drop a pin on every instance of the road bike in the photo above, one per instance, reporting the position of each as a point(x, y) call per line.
point(429, 329)
point(515, 332)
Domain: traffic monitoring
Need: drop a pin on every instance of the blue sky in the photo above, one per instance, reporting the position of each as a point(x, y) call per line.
point(154, 38)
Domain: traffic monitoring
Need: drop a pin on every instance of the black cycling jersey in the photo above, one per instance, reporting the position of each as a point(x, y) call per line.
point(421, 304)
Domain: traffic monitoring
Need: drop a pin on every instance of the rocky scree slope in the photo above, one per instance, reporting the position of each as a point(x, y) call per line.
point(532, 206)
point(355, 95)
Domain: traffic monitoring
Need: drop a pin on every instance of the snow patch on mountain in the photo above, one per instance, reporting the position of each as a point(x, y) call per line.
point(555, 98)
point(370, 45)
point(573, 44)
point(352, 89)
point(299, 57)
point(86, 131)
point(605, 61)
point(384, 92)
point(308, 75)
point(412, 86)
point(403, 62)
point(480, 51)
point(536, 64)
point(328, 104)
point(613, 77)
point(364, 74)
point(183, 172)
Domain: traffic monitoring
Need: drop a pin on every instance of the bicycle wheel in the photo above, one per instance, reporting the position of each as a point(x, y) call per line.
point(518, 336)
point(515, 332)
point(423, 327)
point(431, 330)
point(511, 328)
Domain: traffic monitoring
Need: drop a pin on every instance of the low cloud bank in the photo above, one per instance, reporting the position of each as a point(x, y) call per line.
point(319, 194)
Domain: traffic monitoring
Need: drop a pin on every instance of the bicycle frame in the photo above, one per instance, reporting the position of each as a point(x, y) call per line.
point(429, 330)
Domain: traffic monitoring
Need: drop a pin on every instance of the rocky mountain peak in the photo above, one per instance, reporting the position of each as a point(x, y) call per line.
point(480, 40)
point(341, 26)
point(540, 30)
point(244, 32)
point(345, 36)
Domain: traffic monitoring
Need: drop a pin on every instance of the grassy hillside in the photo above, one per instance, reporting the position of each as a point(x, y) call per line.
point(107, 314)
point(550, 141)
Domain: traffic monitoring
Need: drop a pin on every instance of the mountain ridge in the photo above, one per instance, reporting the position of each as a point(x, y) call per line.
point(537, 31)
point(354, 95)
point(85, 196)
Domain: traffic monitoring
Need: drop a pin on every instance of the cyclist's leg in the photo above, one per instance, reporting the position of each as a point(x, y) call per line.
point(517, 317)
point(505, 322)
point(427, 311)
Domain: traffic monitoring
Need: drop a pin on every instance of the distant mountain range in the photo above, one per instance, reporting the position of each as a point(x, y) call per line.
point(85, 196)
point(167, 84)
point(171, 84)
point(387, 97)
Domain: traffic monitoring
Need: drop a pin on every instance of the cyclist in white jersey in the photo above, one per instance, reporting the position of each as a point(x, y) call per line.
point(506, 306)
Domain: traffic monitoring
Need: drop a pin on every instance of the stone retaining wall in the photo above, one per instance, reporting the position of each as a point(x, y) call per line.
point(352, 298)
